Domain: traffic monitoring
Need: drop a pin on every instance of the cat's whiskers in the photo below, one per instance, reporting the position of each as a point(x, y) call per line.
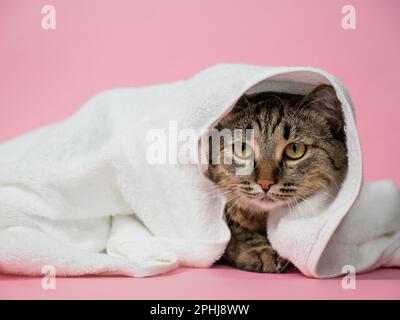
point(306, 202)
point(225, 189)
point(233, 194)
point(284, 267)
point(337, 187)
point(321, 191)
point(232, 197)
point(289, 202)
point(233, 205)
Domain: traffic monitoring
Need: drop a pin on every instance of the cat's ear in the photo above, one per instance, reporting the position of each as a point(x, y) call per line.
point(238, 108)
point(241, 104)
point(324, 100)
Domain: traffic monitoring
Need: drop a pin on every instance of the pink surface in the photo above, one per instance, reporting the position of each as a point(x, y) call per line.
point(216, 283)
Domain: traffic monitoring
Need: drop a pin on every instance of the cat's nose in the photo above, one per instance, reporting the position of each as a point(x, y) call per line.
point(265, 184)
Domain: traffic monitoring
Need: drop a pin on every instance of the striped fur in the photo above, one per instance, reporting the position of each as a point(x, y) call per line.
point(277, 120)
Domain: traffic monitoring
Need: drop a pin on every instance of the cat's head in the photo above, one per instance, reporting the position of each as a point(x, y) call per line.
point(297, 149)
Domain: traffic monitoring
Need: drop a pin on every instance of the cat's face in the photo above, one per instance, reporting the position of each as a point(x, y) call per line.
point(298, 148)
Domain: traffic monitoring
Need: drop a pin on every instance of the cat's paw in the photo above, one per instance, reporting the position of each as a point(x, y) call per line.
point(261, 259)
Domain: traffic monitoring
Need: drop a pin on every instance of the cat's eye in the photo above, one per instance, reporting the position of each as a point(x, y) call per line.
point(243, 151)
point(295, 151)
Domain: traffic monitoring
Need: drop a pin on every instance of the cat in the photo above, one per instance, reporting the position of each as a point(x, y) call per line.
point(299, 149)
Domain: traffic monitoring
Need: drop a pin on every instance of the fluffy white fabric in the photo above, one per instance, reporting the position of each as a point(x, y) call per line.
point(81, 196)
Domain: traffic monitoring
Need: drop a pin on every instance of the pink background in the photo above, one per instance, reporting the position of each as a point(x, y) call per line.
point(47, 75)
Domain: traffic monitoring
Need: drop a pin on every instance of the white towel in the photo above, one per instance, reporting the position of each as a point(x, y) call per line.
point(81, 195)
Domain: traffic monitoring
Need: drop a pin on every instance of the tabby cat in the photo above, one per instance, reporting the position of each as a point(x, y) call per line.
point(299, 149)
